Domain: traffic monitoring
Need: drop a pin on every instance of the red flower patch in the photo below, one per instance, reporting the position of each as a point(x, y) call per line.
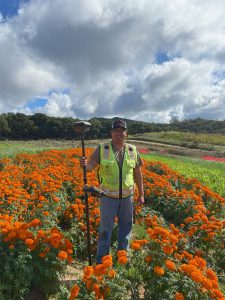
point(213, 158)
point(144, 151)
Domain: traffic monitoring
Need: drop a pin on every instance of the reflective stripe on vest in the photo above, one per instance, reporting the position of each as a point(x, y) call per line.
point(109, 171)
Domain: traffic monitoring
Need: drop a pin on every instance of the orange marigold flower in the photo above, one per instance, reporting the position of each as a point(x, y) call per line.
point(121, 253)
point(215, 284)
point(22, 235)
point(188, 255)
point(196, 276)
point(173, 239)
point(12, 235)
point(75, 291)
point(201, 262)
point(122, 260)
point(188, 269)
point(84, 279)
point(96, 288)
point(99, 270)
point(107, 261)
point(179, 296)
point(42, 254)
point(100, 278)
point(211, 274)
point(111, 273)
point(62, 255)
point(159, 270)
point(46, 213)
point(135, 246)
point(55, 243)
point(217, 293)
point(207, 284)
point(70, 259)
point(150, 231)
point(148, 258)
point(178, 256)
point(170, 265)
point(167, 249)
point(106, 257)
point(29, 242)
point(88, 271)
point(89, 284)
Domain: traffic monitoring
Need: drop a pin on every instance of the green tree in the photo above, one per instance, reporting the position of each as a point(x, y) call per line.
point(20, 125)
point(4, 127)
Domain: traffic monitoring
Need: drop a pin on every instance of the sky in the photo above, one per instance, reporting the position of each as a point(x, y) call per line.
point(142, 60)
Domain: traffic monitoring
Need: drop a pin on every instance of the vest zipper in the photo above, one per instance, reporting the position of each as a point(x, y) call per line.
point(121, 176)
point(120, 181)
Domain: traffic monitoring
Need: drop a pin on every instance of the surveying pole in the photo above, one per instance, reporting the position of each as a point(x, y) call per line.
point(80, 128)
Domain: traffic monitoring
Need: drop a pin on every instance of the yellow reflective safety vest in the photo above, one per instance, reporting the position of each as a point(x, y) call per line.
point(117, 181)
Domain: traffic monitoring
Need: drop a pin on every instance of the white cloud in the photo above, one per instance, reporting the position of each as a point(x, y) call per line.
point(23, 75)
point(105, 52)
point(58, 105)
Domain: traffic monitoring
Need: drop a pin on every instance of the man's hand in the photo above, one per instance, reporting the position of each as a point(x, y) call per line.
point(88, 163)
point(139, 182)
point(83, 161)
point(141, 199)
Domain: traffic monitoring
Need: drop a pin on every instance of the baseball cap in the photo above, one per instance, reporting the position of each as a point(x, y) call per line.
point(119, 124)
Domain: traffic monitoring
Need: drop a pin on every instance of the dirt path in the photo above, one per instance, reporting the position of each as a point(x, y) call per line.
point(173, 149)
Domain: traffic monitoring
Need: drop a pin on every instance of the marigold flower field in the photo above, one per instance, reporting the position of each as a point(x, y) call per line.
point(176, 251)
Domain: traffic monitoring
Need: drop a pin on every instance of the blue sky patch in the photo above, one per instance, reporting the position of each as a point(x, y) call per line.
point(161, 57)
point(218, 76)
point(9, 8)
point(39, 102)
point(66, 91)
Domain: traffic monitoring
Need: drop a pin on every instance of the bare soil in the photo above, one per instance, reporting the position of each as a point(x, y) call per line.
point(73, 273)
point(175, 150)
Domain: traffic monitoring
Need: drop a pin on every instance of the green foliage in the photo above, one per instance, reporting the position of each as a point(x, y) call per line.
point(185, 139)
point(79, 239)
point(15, 274)
point(22, 271)
point(209, 173)
point(63, 293)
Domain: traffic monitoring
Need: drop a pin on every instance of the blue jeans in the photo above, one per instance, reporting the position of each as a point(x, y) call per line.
point(109, 209)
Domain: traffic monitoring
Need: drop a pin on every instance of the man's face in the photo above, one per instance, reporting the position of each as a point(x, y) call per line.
point(119, 134)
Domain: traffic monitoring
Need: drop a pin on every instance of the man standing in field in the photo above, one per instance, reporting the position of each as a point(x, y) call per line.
point(119, 169)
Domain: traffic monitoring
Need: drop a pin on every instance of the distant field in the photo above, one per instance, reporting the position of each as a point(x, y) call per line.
point(208, 173)
point(186, 139)
point(11, 148)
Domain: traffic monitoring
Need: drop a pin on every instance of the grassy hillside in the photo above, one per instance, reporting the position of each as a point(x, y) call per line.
point(186, 139)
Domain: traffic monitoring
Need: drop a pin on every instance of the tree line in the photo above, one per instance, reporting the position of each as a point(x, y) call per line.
point(18, 126)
